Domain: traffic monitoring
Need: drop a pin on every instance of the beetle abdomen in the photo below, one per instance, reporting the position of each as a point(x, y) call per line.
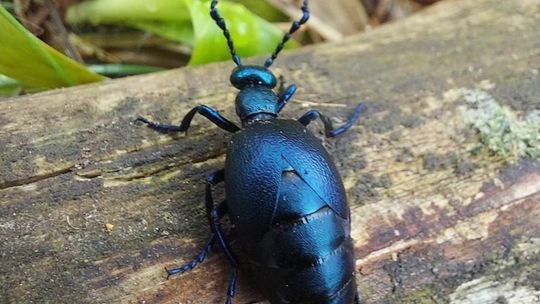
point(307, 255)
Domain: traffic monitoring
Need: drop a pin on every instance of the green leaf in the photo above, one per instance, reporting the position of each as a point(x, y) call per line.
point(251, 34)
point(32, 62)
point(8, 86)
point(186, 21)
point(122, 69)
point(118, 11)
point(264, 9)
point(168, 18)
point(180, 31)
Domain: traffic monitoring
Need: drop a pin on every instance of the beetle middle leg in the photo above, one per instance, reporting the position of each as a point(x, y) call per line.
point(214, 217)
point(196, 261)
point(221, 209)
point(329, 130)
point(206, 111)
point(214, 214)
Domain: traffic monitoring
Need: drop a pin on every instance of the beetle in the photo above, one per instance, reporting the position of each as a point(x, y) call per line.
point(284, 195)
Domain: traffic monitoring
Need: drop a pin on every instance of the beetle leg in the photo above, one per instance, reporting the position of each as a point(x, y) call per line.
point(285, 96)
point(221, 210)
point(196, 261)
point(231, 291)
point(212, 180)
point(224, 244)
point(328, 128)
point(216, 228)
point(214, 214)
point(206, 111)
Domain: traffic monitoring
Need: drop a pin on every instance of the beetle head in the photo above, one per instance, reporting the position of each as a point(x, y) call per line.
point(256, 96)
point(251, 75)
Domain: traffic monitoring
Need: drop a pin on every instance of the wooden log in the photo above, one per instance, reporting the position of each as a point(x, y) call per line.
point(93, 207)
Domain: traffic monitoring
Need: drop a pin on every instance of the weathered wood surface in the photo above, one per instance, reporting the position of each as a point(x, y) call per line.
point(92, 207)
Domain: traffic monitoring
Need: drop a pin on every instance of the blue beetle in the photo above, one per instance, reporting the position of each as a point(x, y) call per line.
point(284, 195)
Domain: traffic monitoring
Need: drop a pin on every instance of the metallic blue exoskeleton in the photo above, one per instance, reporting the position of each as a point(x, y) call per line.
point(284, 196)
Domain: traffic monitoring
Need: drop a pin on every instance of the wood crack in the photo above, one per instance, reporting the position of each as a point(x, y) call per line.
point(36, 178)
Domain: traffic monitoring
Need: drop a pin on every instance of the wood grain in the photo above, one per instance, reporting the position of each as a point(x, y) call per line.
point(92, 207)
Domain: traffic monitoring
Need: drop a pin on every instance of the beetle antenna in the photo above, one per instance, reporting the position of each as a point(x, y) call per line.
point(221, 23)
point(294, 27)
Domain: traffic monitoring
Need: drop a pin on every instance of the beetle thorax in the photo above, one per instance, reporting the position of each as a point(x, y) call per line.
point(256, 102)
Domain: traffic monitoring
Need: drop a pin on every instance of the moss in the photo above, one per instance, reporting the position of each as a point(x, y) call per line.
point(501, 131)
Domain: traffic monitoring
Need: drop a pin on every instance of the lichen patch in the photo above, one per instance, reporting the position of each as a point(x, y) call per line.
point(502, 132)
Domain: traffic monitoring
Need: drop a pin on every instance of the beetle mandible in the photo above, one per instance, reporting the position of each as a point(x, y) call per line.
point(284, 195)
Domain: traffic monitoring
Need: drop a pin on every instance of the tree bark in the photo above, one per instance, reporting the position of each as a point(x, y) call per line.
point(93, 207)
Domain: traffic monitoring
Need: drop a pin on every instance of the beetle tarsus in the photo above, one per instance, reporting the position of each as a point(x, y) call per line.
point(196, 261)
point(161, 128)
point(232, 286)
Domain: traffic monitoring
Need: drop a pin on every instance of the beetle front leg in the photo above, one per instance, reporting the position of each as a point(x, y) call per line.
point(285, 96)
point(329, 130)
point(206, 111)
